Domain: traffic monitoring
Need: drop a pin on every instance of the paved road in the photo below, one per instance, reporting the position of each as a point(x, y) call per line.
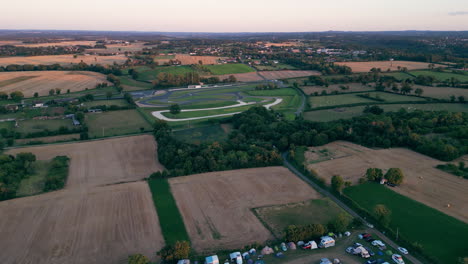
point(344, 206)
point(159, 115)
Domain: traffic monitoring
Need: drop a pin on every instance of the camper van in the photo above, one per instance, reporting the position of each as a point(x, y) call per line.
point(326, 242)
point(212, 260)
point(236, 257)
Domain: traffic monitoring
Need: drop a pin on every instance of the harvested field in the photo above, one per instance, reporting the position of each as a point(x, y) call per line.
point(120, 48)
point(270, 75)
point(282, 44)
point(63, 60)
point(42, 81)
point(58, 44)
point(125, 159)
point(99, 225)
point(366, 66)
point(186, 59)
point(423, 182)
point(216, 207)
point(93, 219)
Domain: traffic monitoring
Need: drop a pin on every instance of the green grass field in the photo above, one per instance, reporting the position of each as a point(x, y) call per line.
point(148, 74)
point(220, 69)
point(399, 75)
point(442, 76)
point(32, 126)
point(341, 99)
point(133, 85)
point(203, 134)
point(274, 92)
point(115, 123)
point(117, 102)
point(326, 115)
point(279, 217)
point(35, 183)
point(170, 220)
point(393, 97)
point(440, 235)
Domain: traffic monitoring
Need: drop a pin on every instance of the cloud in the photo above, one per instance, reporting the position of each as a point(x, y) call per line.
point(458, 13)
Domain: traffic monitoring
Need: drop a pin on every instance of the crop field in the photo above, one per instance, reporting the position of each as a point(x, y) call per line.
point(186, 59)
point(115, 123)
point(269, 75)
point(63, 60)
point(442, 76)
point(279, 217)
point(43, 81)
point(36, 125)
point(353, 87)
point(275, 67)
point(120, 48)
point(442, 92)
point(423, 182)
point(92, 220)
point(221, 69)
point(400, 75)
point(56, 44)
point(416, 222)
point(326, 115)
point(366, 66)
point(216, 207)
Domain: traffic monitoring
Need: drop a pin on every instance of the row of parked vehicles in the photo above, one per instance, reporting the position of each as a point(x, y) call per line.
point(366, 252)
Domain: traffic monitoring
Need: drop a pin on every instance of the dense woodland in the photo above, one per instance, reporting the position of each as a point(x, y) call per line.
point(13, 169)
point(262, 134)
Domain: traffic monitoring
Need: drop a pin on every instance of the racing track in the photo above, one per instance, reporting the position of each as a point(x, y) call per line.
point(159, 115)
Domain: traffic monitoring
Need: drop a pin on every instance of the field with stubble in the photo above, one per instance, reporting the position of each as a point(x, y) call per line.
point(103, 214)
point(268, 75)
point(30, 82)
point(366, 66)
point(423, 182)
point(64, 60)
point(216, 207)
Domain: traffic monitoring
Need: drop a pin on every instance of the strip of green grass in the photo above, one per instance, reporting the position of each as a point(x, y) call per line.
point(274, 92)
point(170, 219)
point(221, 69)
point(442, 76)
point(440, 235)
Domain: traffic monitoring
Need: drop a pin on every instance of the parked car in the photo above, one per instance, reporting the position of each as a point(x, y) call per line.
point(397, 259)
point(378, 243)
point(350, 250)
point(370, 251)
point(325, 261)
point(364, 235)
point(403, 250)
point(371, 261)
point(391, 184)
point(369, 239)
point(357, 245)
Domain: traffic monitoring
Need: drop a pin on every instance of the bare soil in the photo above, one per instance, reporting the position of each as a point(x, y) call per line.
point(423, 182)
point(216, 207)
point(43, 81)
point(385, 65)
point(94, 219)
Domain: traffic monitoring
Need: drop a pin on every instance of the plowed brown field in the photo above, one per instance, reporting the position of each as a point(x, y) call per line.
point(63, 60)
point(366, 66)
point(216, 207)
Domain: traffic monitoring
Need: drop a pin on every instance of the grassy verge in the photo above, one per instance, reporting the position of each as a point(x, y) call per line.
point(171, 222)
point(412, 220)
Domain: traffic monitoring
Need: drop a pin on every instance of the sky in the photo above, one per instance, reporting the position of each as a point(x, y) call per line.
point(235, 15)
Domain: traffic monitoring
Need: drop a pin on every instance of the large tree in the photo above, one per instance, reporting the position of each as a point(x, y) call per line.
point(337, 183)
point(395, 176)
point(174, 109)
point(374, 174)
point(382, 213)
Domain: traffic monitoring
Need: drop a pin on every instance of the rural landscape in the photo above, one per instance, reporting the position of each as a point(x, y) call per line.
point(209, 141)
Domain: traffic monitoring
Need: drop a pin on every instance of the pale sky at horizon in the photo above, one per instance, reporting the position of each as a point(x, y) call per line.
point(235, 16)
